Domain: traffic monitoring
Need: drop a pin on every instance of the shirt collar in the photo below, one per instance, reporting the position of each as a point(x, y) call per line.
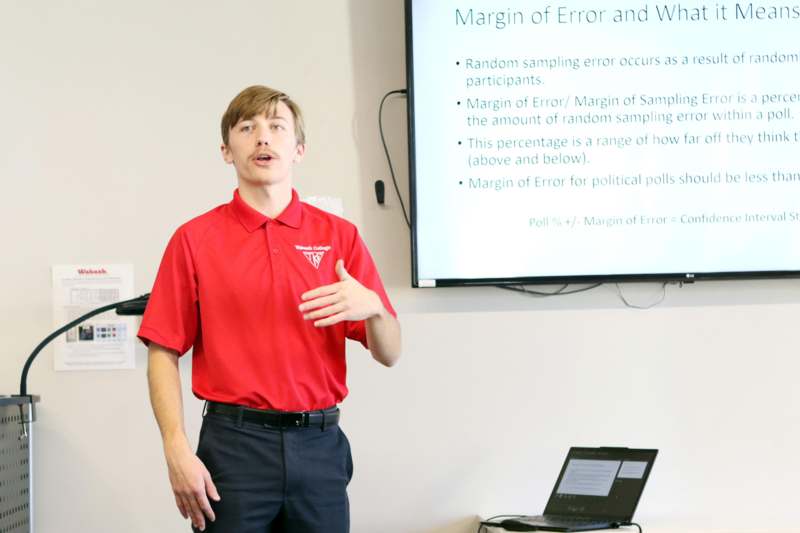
point(252, 219)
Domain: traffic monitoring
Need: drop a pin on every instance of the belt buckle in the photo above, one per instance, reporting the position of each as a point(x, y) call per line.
point(298, 420)
point(302, 420)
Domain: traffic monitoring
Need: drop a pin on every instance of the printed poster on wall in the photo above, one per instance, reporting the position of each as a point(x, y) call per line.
point(105, 341)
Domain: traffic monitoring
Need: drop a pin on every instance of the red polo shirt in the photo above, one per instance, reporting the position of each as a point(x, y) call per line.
point(230, 284)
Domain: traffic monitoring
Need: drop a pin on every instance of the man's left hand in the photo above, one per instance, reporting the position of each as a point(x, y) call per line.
point(345, 300)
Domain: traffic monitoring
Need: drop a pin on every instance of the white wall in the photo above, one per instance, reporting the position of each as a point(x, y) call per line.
point(110, 140)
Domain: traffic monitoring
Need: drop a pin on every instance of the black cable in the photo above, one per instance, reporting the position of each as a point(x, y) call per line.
point(386, 150)
point(23, 382)
point(559, 292)
point(483, 523)
point(523, 289)
point(635, 524)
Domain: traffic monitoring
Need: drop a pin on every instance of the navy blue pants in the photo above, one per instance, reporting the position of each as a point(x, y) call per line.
point(272, 480)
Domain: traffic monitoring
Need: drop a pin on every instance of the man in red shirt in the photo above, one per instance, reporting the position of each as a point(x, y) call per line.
point(265, 289)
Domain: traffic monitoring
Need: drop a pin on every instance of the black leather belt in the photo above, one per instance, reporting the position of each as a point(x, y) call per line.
point(278, 419)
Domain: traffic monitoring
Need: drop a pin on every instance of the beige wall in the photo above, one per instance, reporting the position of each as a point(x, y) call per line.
point(110, 113)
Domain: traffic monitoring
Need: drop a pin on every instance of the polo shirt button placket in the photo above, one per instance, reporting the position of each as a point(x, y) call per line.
point(274, 250)
point(269, 248)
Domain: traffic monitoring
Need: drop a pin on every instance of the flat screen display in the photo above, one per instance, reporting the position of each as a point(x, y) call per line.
point(588, 140)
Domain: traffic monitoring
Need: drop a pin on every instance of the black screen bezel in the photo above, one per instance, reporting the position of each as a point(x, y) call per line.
point(687, 277)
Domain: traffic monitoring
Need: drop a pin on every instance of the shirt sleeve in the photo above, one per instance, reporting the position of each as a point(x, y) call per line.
point(360, 265)
point(171, 317)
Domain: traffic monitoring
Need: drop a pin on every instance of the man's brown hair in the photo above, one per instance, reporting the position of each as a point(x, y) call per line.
point(256, 100)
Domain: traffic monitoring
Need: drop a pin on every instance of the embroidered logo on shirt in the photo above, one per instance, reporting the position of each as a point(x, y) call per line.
point(314, 254)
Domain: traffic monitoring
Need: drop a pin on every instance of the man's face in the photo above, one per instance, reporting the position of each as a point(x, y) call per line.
point(264, 149)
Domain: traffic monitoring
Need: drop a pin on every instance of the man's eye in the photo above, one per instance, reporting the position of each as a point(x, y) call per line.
point(246, 128)
point(277, 126)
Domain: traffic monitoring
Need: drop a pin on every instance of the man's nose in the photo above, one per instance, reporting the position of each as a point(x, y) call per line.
point(263, 137)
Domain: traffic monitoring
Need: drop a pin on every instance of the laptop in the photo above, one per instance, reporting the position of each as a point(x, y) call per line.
point(598, 488)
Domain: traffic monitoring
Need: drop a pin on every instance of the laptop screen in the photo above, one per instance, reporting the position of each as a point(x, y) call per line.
point(601, 483)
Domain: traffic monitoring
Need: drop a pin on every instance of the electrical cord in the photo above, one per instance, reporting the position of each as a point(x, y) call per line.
point(386, 151)
point(649, 306)
point(482, 524)
point(563, 292)
point(560, 292)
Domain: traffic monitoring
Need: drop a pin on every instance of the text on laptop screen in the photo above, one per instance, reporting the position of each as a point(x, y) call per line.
point(601, 483)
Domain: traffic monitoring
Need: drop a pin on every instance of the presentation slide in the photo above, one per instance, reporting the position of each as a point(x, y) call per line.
point(588, 477)
point(591, 138)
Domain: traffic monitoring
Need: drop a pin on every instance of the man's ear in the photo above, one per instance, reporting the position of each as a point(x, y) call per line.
point(299, 152)
point(226, 153)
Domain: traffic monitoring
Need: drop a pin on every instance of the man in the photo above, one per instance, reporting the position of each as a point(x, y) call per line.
point(265, 288)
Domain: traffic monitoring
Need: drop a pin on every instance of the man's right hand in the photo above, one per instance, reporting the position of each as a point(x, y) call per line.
point(191, 484)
